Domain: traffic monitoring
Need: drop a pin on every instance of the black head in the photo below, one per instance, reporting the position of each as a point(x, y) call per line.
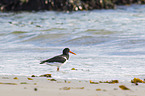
point(66, 51)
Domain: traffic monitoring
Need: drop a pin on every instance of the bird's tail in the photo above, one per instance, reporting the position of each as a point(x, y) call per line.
point(42, 62)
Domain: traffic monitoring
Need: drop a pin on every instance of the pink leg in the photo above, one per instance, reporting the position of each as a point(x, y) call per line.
point(57, 68)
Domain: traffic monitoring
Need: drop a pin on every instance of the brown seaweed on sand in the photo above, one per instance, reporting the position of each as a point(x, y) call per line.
point(92, 82)
point(110, 82)
point(98, 89)
point(123, 87)
point(68, 88)
point(73, 69)
point(23, 83)
point(137, 80)
point(9, 83)
point(29, 78)
point(46, 75)
point(52, 79)
point(65, 88)
point(15, 78)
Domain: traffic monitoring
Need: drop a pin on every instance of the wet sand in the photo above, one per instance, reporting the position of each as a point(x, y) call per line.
point(42, 86)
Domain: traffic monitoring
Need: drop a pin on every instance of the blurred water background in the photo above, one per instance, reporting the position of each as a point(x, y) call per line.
point(110, 44)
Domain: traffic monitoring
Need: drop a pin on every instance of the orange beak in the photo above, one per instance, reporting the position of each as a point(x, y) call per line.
point(72, 52)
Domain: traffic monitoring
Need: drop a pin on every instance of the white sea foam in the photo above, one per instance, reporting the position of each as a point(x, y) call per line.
point(109, 43)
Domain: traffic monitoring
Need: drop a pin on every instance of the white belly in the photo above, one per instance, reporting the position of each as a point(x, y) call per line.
point(55, 63)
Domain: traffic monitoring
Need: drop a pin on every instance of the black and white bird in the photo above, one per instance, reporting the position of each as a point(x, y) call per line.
point(58, 60)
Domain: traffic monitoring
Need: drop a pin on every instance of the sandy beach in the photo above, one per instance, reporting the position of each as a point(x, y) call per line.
point(42, 86)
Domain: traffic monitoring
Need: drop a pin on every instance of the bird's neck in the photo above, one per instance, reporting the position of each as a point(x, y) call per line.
point(66, 55)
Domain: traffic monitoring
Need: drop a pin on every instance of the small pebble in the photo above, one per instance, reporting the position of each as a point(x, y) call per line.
point(33, 76)
point(35, 89)
point(115, 88)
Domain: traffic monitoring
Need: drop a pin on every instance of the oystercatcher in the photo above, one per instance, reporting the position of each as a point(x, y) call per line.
point(58, 60)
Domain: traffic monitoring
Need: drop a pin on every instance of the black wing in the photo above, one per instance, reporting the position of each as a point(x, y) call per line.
point(60, 59)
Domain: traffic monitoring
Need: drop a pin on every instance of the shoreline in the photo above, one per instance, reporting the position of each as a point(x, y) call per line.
point(42, 86)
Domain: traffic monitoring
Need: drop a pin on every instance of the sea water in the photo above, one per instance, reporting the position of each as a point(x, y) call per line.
point(110, 44)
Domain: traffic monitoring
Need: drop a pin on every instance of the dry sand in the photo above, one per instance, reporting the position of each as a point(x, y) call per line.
point(42, 86)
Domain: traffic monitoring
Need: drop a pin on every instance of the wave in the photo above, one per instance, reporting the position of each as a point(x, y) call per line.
point(57, 36)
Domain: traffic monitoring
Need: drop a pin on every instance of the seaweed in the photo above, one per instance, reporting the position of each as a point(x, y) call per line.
point(123, 87)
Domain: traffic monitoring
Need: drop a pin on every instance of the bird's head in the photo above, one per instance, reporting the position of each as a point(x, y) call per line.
point(67, 50)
